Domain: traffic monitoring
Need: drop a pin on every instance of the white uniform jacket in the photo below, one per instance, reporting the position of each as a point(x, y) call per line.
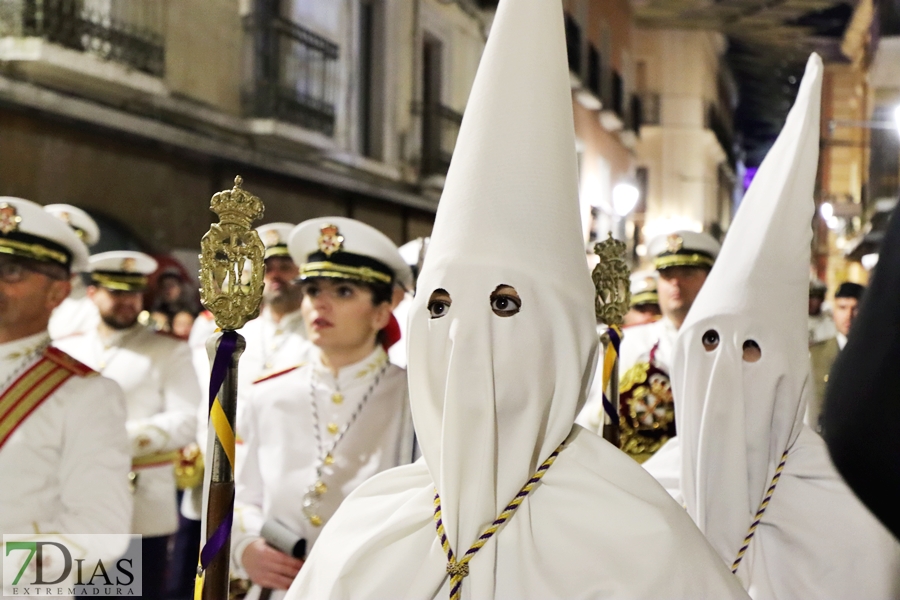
point(273, 346)
point(636, 344)
point(161, 393)
point(64, 469)
point(278, 465)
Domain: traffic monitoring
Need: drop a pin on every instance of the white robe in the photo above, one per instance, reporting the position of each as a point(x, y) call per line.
point(606, 530)
point(814, 534)
point(279, 454)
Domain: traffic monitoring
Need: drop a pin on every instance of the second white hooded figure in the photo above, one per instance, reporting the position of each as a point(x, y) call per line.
point(510, 500)
point(754, 478)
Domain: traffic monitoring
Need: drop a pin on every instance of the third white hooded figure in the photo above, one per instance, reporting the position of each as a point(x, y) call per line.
point(502, 345)
point(754, 478)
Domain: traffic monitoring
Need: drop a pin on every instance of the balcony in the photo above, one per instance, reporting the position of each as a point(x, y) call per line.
point(296, 76)
point(126, 33)
point(440, 127)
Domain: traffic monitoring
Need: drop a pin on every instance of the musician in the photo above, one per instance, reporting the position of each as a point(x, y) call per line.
point(64, 451)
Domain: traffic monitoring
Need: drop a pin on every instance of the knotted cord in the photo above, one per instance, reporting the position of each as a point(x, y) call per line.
point(459, 570)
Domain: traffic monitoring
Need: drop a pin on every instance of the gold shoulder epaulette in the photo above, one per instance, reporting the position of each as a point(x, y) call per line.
point(67, 362)
point(274, 374)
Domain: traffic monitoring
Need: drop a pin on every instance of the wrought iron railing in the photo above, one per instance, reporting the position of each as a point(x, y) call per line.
point(594, 71)
point(296, 74)
point(650, 108)
point(617, 94)
point(440, 129)
point(123, 31)
point(635, 114)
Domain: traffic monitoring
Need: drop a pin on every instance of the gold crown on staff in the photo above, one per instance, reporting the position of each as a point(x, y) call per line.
point(232, 259)
point(237, 206)
point(612, 280)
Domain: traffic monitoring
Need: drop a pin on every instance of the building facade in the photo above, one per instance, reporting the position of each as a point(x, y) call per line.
point(139, 110)
point(599, 38)
point(686, 144)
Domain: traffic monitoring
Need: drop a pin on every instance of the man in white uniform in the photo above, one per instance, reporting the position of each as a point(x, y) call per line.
point(161, 393)
point(277, 338)
point(511, 499)
point(755, 479)
point(64, 455)
point(77, 312)
point(312, 434)
point(646, 412)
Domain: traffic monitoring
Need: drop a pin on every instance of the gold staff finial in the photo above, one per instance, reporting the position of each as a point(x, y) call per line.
point(231, 258)
point(611, 278)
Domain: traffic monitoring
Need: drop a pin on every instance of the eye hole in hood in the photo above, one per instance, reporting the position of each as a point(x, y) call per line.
point(710, 340)
point(752, 351)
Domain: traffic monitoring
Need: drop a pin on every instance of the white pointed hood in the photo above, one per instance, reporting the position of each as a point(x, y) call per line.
point(493, 396)
point(735, 418)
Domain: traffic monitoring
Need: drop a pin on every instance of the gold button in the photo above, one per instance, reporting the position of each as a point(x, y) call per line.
point(315, 521)
point(320, 487)
point(826, 379)
point(332, 428)
point(337, 397)
point(329, 459)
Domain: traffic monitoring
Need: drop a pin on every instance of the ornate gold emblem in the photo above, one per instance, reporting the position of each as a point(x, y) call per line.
point(9, 218)
point(330, 239)
point(674, 242)
point(65, 217)
point(646, 411)
point(611, 279)
point(129, 265)
point(231, 259)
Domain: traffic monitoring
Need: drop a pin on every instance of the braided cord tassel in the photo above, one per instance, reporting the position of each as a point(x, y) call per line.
point(759, 513)
point(459, 570)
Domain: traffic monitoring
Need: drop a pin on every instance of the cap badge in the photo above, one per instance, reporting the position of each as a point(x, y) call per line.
point(330, 239)
point(65, 217)
point(128, 265)
point(674, 243)
point(9, 218)
point(272, 238)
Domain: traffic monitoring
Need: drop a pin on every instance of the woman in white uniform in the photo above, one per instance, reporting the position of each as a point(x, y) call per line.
point(313, 432)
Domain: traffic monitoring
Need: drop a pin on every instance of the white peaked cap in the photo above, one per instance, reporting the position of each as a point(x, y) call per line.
point(123, 261)
point(274, 237)
point(414, 250)
point(29, 231)
point(492, 397)
point(736, 418)
point(124, 270)
point(83, 224)
point(341, 247)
